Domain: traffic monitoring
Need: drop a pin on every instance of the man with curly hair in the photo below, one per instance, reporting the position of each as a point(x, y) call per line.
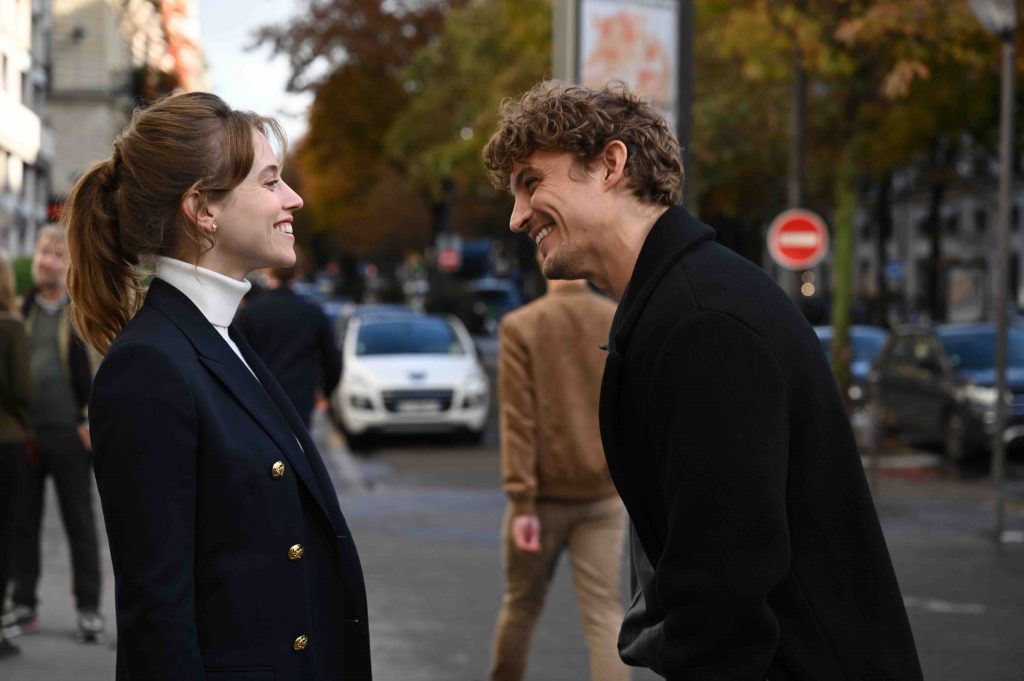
point(755, 548)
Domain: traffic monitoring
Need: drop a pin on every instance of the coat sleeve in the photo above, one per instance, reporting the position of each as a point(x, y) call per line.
point(518, 420)
point(16, 385)
point(144, 429)
point(719, 418)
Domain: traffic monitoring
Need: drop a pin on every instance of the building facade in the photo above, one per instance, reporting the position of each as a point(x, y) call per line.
point(108, 56)
point(27, 142)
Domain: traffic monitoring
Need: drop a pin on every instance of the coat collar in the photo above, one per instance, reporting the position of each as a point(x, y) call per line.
point(675, 232)
point(187, 317)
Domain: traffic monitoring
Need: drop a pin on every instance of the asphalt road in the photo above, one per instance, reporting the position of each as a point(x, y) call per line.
point(426, 514)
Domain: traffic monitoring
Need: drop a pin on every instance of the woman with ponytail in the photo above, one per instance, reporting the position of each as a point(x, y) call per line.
point(232, 559)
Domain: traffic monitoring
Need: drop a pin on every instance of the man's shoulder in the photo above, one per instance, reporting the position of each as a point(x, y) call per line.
point(712, 278)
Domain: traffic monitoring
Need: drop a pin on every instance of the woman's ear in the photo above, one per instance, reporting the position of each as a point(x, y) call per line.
point(613, 163)
point(196, 209)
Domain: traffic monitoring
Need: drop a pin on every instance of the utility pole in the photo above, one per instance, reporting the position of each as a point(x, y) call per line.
point(684, 105)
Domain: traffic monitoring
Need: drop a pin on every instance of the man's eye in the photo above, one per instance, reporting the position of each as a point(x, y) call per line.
point(530, 183)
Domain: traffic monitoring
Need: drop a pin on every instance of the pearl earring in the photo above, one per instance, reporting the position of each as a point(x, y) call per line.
point(214, 229)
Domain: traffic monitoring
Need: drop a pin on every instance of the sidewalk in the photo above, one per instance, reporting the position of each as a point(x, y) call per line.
point(52, 654)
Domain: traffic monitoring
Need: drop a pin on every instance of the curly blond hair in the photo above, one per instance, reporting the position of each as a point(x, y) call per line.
point(554, 117)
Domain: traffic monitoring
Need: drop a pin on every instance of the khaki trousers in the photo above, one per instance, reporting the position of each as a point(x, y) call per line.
point(593, 533)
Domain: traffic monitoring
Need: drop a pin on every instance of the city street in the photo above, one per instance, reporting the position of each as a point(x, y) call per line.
point(426, 516)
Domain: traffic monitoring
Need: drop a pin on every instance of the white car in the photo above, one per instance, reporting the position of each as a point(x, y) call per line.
point(409, 373)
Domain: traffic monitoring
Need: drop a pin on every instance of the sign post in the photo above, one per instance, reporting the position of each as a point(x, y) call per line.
point(798, 239)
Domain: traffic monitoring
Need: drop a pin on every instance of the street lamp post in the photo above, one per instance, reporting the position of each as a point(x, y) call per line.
point(1000, 18)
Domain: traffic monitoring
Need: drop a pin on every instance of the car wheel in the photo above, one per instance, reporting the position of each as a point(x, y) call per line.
point(955, 440)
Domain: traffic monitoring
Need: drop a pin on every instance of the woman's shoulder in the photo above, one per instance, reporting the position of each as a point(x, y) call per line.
point(150, 336)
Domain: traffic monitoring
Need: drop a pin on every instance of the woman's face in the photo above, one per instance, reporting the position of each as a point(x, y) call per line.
point(254, 221)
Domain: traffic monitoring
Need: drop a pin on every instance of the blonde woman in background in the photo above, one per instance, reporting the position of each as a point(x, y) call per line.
point(14, 421)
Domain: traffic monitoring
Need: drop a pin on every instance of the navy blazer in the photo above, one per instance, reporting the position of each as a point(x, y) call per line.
point(728, 442)
point(231, 557)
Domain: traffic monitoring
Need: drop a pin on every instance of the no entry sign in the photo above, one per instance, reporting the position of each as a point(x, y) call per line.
point(798, 239)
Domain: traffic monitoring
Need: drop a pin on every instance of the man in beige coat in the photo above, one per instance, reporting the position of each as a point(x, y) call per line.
point(560, 495)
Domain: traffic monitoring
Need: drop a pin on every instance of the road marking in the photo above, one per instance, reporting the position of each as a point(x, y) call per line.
point(944, 607)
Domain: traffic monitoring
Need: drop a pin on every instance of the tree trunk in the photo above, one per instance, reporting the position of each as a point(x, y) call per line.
point(441, 208)
point(883, 224)
point(846, 210)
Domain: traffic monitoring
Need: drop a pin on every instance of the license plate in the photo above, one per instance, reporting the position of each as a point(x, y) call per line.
point(419, 406)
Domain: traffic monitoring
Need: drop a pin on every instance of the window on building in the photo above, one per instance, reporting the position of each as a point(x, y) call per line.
point(980, 221)
point(951, 225)
point(14, 86)
point(3, 73)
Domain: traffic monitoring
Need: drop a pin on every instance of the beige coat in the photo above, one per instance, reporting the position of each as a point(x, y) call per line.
point(549, 380)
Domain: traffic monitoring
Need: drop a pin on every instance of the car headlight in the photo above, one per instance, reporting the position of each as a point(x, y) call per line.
point(359, 389)
point(980, 395)
point(475, 391)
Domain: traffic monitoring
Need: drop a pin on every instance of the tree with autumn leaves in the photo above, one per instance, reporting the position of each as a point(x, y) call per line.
point(407, 92)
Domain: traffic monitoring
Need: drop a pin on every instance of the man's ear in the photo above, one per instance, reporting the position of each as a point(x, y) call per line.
point(613, 163)
point(196, 209)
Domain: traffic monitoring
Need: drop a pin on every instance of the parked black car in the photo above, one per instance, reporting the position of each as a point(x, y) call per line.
point(938, 385)
point(865, 344)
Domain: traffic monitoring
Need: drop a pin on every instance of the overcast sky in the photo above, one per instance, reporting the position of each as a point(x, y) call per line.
point(250, 79)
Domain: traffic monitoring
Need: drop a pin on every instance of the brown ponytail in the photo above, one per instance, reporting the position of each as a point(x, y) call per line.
point(127, 208)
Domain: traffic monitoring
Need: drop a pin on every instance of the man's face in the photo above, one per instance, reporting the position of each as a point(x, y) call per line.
point(559, 205)
point(49, 264)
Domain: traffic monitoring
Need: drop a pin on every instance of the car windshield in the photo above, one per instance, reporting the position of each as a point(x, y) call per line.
point(409, 337)
point(976, 350)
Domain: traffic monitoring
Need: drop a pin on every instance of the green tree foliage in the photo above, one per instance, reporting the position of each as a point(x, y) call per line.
point(352, 55)
point(488, 50)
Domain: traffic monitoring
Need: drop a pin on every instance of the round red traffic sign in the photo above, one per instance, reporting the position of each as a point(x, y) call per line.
point(798, 239)
point(449, 260)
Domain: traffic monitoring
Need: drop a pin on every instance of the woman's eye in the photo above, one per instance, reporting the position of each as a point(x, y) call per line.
point(273, 184)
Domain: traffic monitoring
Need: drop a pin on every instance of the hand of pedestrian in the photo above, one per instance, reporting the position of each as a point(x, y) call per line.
point(526, 533)
point(85, 437)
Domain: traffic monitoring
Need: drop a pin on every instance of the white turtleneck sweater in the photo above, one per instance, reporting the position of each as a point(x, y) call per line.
point(216, 295)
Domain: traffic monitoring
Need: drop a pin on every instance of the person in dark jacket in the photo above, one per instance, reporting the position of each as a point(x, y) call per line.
point(231, 557)
point(61, 377)
point(15, 425)
point(756, 549)
point(294, 339)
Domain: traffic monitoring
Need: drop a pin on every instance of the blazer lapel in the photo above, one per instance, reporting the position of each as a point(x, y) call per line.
point(322, 487)
point(215, 354)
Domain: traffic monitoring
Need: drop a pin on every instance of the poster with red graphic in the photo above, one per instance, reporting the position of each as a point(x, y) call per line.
point(635, 41)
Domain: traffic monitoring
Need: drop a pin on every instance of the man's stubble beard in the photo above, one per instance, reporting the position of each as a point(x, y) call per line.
point(564, 264)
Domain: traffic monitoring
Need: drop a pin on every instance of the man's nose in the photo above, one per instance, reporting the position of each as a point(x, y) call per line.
point(521, 214)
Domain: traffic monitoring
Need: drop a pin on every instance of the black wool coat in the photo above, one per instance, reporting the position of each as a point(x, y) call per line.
point(295, 341)
point(727, 440)
point(232, 559)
